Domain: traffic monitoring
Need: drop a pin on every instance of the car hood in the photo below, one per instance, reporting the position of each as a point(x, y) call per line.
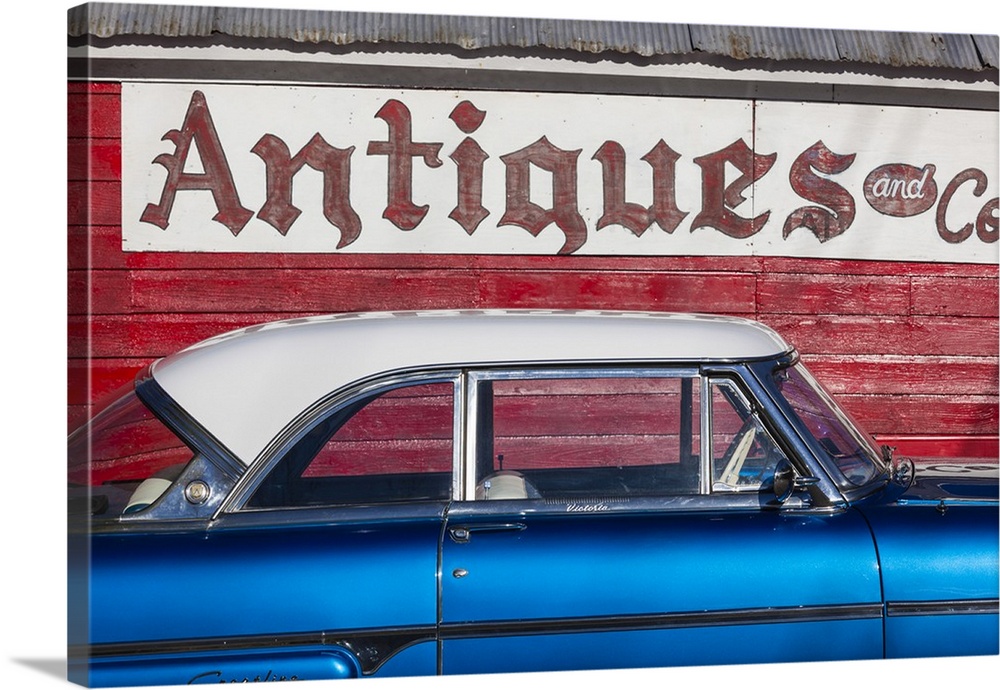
point(953, 480)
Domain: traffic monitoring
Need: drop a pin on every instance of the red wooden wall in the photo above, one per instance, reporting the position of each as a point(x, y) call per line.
point(911, 349)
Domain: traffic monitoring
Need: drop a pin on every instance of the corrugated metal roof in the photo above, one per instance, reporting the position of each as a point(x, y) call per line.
point(959, 51)
point(989, 49)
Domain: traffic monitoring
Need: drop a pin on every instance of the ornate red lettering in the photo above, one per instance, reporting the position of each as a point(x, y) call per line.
point(718, 199)
point(522, 212)
point(401, 150)
point(969, 174)
point(334, 163)
point(838, 214)
point(635, 217)
point(988, 222)
point(469, 157)
point(216, 178)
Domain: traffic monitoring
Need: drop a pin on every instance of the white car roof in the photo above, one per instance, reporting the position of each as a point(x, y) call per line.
point(244, 387)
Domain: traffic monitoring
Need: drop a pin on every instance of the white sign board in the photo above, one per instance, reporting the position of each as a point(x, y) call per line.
point(260, 168)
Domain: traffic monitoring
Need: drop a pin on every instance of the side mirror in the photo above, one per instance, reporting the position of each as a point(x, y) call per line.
point(786, 482)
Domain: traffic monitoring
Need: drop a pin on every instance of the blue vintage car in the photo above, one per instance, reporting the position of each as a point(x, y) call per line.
point(460, 492)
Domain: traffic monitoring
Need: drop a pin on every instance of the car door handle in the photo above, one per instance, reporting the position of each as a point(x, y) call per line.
point(461, 534)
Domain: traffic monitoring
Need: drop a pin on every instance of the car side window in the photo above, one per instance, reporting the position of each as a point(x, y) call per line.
point(393, 446)
point(587, 439)
point(744, 455)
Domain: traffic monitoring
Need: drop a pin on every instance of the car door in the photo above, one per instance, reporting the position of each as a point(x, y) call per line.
point(621, 519)
point(327, 566)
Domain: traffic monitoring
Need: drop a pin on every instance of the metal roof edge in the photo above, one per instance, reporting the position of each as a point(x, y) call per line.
point(587, 38)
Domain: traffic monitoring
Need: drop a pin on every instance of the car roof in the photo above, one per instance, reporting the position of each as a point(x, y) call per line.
point(245, 386)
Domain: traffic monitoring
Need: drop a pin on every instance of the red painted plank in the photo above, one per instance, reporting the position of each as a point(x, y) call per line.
point(702, 292)
point(93, 115)
point(955, 296)
point(96, 380)
point(260, 291)
point(863, 335)
point(99, 159)
point(99, 292)
point(586, 451)
point(782, 293)
point(93, 203)
point(849, 267)
point(926, 415)
point(915, 375)
point(108, 87)
point(318, 290)
point(153, 335)
point(361, 458)
point(979, 447)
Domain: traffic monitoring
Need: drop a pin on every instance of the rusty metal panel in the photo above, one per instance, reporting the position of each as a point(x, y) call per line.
point(107, 20)
point(345, 28)
point(910, 49)
point(772, 43)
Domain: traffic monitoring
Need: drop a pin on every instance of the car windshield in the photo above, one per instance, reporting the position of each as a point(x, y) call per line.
point(122, 447)
point(851, 451)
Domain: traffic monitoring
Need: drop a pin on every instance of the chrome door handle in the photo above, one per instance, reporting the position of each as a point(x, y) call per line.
point(461, 534)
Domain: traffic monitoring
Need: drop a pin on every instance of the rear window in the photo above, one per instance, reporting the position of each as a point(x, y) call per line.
point(116, 451)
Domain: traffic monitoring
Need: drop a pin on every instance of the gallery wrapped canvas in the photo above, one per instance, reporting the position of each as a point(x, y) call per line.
point(414, 345)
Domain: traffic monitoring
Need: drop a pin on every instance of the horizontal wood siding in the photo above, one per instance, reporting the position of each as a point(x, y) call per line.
point(911, 349)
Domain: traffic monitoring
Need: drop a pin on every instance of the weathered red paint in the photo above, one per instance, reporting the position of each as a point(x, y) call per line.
point(198, 129)
point(838, 210)
point(719, 199)
point(901, 190)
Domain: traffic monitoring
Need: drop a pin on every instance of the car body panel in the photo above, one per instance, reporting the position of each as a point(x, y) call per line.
point(239, 590)
point(742, 574)
point(939, 545)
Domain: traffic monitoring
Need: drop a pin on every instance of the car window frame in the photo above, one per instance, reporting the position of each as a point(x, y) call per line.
point(258, 470)
point(705, 498)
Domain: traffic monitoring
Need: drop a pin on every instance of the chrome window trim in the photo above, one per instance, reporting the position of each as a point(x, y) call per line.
point(733, 384)
point(705, 461)
point(576, 371)
point(749, 502)
point(541, 373)
point(460, 424)
point(297, 428)
point(185, 427)
point(371, 647)
point(466, 475)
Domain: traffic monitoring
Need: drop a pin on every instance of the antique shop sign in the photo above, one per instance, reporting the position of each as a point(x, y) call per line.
point(231, 168)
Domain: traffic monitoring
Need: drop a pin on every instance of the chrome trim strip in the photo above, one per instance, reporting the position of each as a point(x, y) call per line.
point(663, 621)
point(373, 647)
point(957, 607)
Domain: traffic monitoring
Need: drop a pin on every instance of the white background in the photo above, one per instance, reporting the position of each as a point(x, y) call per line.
point(34, 289)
